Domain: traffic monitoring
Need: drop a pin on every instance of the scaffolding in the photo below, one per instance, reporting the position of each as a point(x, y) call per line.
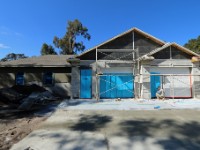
point(121, 57)
point(174, 85)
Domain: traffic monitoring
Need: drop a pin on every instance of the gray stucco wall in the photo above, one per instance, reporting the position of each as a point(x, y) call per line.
point(75, 82)
point(196, 80)
point(146, 85)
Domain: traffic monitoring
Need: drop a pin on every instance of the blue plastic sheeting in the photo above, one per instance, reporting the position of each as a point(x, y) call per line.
point(116, 86)
point(86, 83)
point(20, 78)
point(155, 83)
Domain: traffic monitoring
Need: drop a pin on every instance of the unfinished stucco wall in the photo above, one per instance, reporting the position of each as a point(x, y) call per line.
point(75, 82)
point(94, 80)
point(146, 82)
point(196, 80)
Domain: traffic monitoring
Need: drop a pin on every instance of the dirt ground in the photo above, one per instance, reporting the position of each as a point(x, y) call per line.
point(15, 125)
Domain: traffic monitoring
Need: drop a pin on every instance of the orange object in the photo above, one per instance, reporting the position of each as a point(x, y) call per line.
point(195, 59)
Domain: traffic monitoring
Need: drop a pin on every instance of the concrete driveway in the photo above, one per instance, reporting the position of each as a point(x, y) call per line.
point(130, 104)
point(116, 130)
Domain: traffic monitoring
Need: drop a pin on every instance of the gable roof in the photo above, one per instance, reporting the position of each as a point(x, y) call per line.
point(168, 45)
point(41, 61)
point(124, 33)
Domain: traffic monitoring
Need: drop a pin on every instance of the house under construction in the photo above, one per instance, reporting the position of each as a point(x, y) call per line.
point(133, 65)
point(130, 65)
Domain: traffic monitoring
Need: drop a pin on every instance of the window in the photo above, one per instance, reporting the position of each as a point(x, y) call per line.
point(48, 78)
point(19, 78)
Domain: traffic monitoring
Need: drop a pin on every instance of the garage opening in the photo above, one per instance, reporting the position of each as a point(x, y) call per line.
point(176, 82)
point(116, 85)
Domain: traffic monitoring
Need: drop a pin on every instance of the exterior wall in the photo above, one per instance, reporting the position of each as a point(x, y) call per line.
point(75, 78)
point(62, 84)
point(142, 82)
point(146, 83)
point(7, 79)
point(196, 80)
point(33, 78)
point(75, 82)
point(171, 62)
point(117, 70)
point(171, 57)
point(62, 78)
point(103, 67)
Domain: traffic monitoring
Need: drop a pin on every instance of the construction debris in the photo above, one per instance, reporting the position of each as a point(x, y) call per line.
point(25, 97)
point(10, 96)
point(22, 109)
point(37, 98)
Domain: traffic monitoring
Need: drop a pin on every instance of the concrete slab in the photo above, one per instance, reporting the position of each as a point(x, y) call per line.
point(130, 104)
point(61, 140)
point(116, 130)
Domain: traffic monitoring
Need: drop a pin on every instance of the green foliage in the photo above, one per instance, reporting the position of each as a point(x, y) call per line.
point(47, 50)
point(68, 43)
point(13, 56)
point(194, 45)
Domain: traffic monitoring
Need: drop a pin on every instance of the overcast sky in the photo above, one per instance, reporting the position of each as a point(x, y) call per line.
point(26, 24)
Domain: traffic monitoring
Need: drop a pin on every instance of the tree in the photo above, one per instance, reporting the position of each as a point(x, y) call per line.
point(13, 56)
point(47, 50)
point(68, 44)
point(194, 45)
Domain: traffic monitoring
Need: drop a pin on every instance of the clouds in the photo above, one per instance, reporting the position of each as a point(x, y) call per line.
point(5, 31)
point(7, 35)
point(3, 46)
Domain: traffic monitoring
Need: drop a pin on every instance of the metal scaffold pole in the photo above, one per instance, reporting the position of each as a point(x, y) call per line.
point(97, 97)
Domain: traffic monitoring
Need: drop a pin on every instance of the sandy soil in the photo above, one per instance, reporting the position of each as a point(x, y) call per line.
point(15, 125)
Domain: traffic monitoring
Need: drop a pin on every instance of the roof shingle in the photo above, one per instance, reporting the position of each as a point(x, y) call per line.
point(42, 61)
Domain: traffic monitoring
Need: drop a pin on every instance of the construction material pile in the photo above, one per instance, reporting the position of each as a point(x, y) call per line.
point(26, 97)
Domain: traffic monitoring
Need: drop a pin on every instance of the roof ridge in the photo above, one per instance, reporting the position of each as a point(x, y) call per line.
point(165, 46)
point(41, 61)
point(121, 34)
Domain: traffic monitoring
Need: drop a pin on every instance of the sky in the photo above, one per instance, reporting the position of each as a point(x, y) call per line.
point(26, 24)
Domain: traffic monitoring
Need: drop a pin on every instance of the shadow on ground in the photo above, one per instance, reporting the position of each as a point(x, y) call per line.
point(78, 135)
point(169, 134)
point(86, 133)
point(91, 122)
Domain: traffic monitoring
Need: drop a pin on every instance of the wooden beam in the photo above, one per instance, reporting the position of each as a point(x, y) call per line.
point(115, 50)
point(117, 61)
